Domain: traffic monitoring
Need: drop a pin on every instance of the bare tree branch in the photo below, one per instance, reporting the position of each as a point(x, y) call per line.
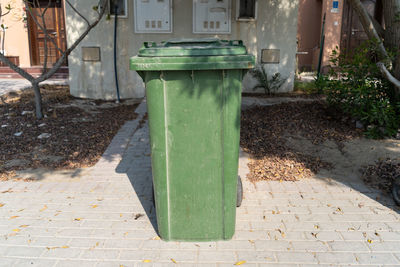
point(378, 27)
point(388, 75)
point(46, 48)
point(16, 68)
point(77, 12)
point(33, 16)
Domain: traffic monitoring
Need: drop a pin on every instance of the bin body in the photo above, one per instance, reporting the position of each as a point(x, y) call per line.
point(194, 119)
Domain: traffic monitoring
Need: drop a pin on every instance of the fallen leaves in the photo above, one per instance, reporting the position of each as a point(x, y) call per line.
point(240, 263)
point(94, 206)
point(77, 219)
point(174, 261)
point(43, 209)
point(381, 174)
point(2, 205)
point(51, 248)
point(137, 216)
point(13, 217)
point(87, 128)
point(265, 132)
point(146, 261)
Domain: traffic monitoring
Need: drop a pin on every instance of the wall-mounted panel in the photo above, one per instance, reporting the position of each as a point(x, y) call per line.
point(153, 16)
point(212, 16)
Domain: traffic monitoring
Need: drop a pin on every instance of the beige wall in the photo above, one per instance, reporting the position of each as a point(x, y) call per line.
point(16, 41)
point(275, 28)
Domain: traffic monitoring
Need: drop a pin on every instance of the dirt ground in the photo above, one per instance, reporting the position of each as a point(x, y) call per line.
point(73, 134)
point(298, 140)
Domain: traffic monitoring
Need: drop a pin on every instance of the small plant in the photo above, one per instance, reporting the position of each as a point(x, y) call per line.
point(269, 85)
point(358, 88)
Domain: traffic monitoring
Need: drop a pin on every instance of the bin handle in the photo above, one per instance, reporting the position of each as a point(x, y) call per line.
point(175, 42)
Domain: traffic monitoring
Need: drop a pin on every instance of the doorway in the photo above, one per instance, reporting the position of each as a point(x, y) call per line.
point(55, 23)
point(353, 34)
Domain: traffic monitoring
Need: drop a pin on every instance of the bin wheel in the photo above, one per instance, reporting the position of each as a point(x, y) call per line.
point(396, 190)
point(239, 194)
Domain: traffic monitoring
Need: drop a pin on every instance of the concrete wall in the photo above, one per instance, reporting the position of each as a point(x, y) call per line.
point(16, 41)
point(275, 28)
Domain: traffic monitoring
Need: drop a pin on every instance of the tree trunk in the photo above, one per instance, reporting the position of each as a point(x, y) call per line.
point(38, 100)
point(368, 25)
point(372, 34)
point(391, 9)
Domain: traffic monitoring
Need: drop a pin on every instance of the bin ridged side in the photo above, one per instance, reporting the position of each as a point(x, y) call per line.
point(194, 119)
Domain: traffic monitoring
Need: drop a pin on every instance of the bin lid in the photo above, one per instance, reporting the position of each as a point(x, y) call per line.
point(193, 47)
point(192, 54)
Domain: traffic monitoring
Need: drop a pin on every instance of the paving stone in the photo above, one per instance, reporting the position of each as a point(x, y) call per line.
point(61, 253)
point(80, 263)
point(385, 246)
point(272, 245)
point(178, 256)
point(344, 246)
point(256, 256)
point(295, 257)
point(217, 256)
point(35, 262)
point(376, 258)
point(140, 255)
point(336, 258)
point(24, 251)
point(310, 246)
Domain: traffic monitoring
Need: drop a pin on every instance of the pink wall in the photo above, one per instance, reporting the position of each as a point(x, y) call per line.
point(333, 29)
point(16, 41)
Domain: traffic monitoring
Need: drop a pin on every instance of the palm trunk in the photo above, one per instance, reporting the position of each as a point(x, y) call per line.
point(38, 100)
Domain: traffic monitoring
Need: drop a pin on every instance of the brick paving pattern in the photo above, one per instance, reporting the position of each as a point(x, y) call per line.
point(106, 218)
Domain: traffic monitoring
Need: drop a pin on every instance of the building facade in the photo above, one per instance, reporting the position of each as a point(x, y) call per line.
point(268, 29)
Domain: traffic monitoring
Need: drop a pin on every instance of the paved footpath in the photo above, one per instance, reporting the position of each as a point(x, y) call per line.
point(12, 85)
point(105, 218)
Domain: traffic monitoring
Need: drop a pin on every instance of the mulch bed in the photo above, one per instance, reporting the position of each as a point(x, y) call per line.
point(263, 131)
point(381, 174)
point(77, 135)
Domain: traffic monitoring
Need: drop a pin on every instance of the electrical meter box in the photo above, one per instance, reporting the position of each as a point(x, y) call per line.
point(153, 16)
point(212, 16)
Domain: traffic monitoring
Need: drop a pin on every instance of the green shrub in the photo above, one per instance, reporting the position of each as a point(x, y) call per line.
point(270, 85)
point(358, 88)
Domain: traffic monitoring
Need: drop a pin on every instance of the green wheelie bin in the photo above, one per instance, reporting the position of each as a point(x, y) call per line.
point(193, 89)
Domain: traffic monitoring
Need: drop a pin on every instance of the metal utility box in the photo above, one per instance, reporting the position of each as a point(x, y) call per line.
point(153, 16)
point(212, 16)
